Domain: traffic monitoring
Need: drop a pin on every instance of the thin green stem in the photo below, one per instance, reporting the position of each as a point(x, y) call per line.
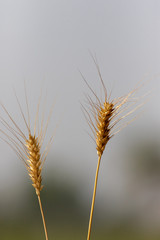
point(43, 219)
point(93, 199)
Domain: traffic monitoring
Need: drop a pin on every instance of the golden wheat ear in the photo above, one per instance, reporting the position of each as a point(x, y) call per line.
point(104, 118)
point(28, 147)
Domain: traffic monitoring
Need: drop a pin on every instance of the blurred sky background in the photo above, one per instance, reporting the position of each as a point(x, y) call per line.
point(45, 44)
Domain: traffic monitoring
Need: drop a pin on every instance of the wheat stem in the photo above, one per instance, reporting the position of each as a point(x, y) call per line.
point(93, 198)
point(43, 219)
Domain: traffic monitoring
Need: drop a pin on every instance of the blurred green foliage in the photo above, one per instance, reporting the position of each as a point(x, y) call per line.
point(20, 231)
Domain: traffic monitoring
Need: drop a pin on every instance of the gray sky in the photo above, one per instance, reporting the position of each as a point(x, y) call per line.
point(49, 42)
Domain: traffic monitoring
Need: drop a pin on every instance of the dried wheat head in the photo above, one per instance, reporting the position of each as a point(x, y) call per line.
point(28, 146)
point(103, 116)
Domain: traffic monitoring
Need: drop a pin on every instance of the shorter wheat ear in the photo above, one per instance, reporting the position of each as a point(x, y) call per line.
point(34, 171)
point(28, 146)
point(103, 117)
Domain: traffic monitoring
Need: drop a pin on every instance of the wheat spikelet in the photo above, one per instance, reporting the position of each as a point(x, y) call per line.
point(103, 118)
point(103, 126)
point(34, 162)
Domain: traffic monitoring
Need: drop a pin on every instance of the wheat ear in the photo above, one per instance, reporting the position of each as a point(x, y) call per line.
point(103, 118)
point(28, 147)
point(34, 171)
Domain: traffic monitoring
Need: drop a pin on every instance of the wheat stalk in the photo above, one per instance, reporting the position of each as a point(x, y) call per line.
point(103, 118)
point(28, 146)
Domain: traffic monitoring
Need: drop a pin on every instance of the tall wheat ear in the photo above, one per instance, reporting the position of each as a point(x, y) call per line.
point(103, 117)
point(28, 146)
